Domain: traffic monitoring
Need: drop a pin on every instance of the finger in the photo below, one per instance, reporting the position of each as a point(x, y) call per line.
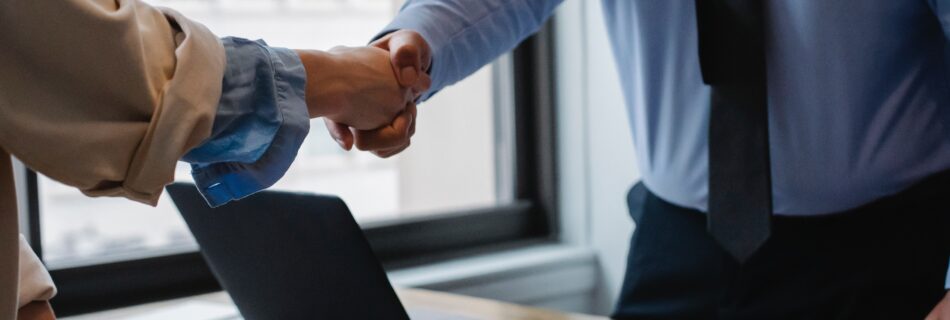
point(425, 54)
point(422, 85)
point(340, 133)
point(391, 152)
point(407, 64)
point(383, 43)
point(386, 153)
point(412, 126)
point(394, 135)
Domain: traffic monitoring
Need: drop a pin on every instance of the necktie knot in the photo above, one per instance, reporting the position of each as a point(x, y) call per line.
point(731, 40)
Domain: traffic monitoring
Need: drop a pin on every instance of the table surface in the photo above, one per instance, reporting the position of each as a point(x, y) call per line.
point(425, 305)
point(421, 305)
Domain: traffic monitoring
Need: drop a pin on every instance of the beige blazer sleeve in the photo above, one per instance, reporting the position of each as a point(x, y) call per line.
point(103, 95)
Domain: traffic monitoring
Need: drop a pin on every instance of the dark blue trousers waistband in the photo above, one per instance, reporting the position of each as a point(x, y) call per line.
point(885, 260)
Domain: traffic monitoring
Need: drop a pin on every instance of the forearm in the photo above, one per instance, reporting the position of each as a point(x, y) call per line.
point(466, 35)
point(320, 68)
point(269, 95)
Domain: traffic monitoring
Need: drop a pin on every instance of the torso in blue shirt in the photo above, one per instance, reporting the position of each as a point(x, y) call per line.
point(859, 90)
point(859, 98)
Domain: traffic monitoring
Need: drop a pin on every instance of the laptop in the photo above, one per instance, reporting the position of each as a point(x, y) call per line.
point(283, 255)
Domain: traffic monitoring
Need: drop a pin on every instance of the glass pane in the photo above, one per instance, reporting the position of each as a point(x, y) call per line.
point(452, 163)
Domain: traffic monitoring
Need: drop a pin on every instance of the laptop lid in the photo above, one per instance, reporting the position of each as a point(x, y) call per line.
point(283, 255)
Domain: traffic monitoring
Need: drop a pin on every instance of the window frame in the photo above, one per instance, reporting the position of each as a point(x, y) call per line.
point(530, 219)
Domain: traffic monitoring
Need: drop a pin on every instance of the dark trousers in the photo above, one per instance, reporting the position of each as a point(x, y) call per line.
point(885, 260)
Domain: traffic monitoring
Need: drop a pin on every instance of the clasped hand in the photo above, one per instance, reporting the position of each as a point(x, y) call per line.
point(367, 95)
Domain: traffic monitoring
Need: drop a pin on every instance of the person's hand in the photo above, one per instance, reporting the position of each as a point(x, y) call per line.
point(942, 310)
point(356, 87)
point(411, 56)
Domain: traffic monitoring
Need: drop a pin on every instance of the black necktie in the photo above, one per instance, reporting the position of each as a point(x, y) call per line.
point(732, 58)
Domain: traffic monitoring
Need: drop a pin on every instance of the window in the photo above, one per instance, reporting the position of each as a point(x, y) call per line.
point(477, 164)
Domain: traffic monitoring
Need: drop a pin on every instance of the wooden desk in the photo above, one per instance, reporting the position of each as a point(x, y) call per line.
point(421, 305)
point(432, 305)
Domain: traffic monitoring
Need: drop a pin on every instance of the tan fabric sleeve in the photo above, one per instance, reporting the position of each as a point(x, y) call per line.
point(35, 282)
point(9, 252)
point(105, 95)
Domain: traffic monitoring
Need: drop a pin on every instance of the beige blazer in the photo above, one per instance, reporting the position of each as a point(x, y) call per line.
point(102, 95)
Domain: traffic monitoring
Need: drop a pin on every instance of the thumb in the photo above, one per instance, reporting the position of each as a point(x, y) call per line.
point(410, 56)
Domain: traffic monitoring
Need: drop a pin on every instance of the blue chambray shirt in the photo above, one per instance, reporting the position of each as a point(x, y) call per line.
point(262, 120)
point(859, 91)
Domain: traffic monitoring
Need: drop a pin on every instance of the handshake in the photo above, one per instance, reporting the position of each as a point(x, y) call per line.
point(367, 95)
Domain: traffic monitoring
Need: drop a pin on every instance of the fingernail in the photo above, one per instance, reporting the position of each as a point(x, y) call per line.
point(408, 74)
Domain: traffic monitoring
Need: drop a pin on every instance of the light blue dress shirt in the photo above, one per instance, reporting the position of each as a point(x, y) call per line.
point(859, 90)
point(262, 120)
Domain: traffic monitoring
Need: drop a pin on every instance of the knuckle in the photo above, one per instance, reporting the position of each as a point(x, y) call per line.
point(409, 50)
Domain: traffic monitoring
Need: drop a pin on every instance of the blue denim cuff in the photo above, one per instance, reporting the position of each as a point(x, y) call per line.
point(256, 145)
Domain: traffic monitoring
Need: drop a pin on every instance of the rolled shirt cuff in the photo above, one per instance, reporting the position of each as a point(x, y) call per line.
point(222, 182)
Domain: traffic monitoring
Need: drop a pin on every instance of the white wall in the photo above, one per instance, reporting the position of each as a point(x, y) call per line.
point(596, 150)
